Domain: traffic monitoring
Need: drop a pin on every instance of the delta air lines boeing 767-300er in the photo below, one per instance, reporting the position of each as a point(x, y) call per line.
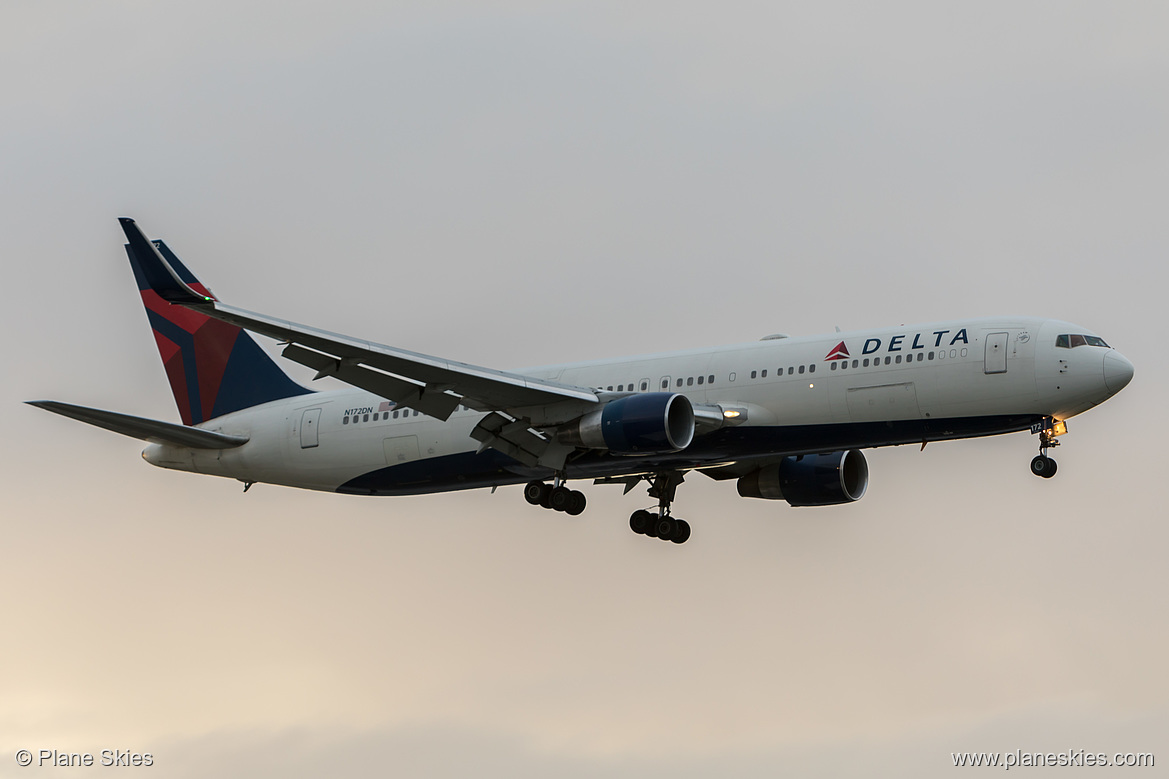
point(786, 418)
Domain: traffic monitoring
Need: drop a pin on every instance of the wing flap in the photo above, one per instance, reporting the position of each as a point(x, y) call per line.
point(428, 399)
point(152, 430)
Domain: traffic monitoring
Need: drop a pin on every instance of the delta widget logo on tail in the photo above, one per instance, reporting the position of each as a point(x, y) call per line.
point(839, 352)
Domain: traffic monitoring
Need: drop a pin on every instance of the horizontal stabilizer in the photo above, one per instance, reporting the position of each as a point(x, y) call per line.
point(151, 430)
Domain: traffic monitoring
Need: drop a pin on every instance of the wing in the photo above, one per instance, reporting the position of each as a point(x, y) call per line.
point(429, 384)
point(151, 430)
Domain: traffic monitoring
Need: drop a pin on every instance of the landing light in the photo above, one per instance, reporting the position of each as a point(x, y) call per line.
point(811, 385)
point(730, 413)
point(1059, 428)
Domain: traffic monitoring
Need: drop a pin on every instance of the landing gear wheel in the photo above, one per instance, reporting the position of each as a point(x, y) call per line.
point(664, 527)
point(640, 521)
point(681, 531)
point(560, 498)
point(577, 503)
point(534, 492)
point(1043, 466)
point(651, 527)
point(546, 496)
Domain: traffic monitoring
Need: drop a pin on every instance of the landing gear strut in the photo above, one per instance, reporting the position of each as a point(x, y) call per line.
point(661, 525)
point(1042, 465)
point(555, 496)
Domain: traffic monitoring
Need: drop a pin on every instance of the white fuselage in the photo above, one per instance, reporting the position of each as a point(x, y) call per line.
point(893, 385)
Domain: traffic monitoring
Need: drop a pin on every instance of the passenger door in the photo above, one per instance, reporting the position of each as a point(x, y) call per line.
point(310, 420)
point(996, 353)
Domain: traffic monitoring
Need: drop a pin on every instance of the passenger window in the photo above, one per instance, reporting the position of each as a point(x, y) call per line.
point(644, 386)
point(344, 420)
point(665, 383)
point(887, 360)
point(811, 368)
point(732, 377)
point(866, 362)
point(802, 368)
point(753, 374)
point(710, 379)
point(899, 359)
point(700, 378)
point(833, 365)
point(854, 363)
point(365, 417)
point(790, 370)
point(689, 381)
point(953, 353)
point(679, 382)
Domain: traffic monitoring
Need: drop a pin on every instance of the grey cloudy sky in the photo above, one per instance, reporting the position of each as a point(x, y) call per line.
point(521, 183)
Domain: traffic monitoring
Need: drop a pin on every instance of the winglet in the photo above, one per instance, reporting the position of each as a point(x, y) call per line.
point(159, 274)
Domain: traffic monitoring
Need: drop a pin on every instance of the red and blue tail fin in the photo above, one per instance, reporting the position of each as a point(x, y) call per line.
point(214, 368)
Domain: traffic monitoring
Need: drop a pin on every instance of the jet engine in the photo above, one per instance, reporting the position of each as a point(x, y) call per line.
point(648, 423)
point(810, 479)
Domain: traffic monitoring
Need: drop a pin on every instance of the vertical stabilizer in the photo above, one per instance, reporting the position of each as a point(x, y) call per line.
point(214, 368)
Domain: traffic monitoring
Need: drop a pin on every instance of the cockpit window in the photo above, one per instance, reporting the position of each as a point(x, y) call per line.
point(1071, 341)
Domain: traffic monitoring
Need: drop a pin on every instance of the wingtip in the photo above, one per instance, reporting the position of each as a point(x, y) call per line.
point(130, 228)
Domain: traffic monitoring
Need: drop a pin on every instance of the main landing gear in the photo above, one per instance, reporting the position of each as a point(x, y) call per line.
point(1042, 465)
point(661, 525)
point(555, 496)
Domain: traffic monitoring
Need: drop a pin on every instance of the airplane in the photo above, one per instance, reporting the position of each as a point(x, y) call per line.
point(785, 417)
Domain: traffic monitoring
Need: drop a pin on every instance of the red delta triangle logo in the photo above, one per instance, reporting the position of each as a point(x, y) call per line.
point(839, 352)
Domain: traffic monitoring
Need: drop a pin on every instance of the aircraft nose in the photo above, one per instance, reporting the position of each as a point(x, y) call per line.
point(1117, 371)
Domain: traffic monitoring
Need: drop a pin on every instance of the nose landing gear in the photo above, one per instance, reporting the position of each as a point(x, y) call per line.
point(1041, 464)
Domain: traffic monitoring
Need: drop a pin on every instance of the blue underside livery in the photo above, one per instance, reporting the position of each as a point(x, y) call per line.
point(468, 470)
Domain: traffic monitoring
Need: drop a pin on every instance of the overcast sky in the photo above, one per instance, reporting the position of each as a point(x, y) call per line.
point(523, 183)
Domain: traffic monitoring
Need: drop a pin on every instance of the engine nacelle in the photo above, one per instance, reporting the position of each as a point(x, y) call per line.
point(810, 479)
point(648, 423)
